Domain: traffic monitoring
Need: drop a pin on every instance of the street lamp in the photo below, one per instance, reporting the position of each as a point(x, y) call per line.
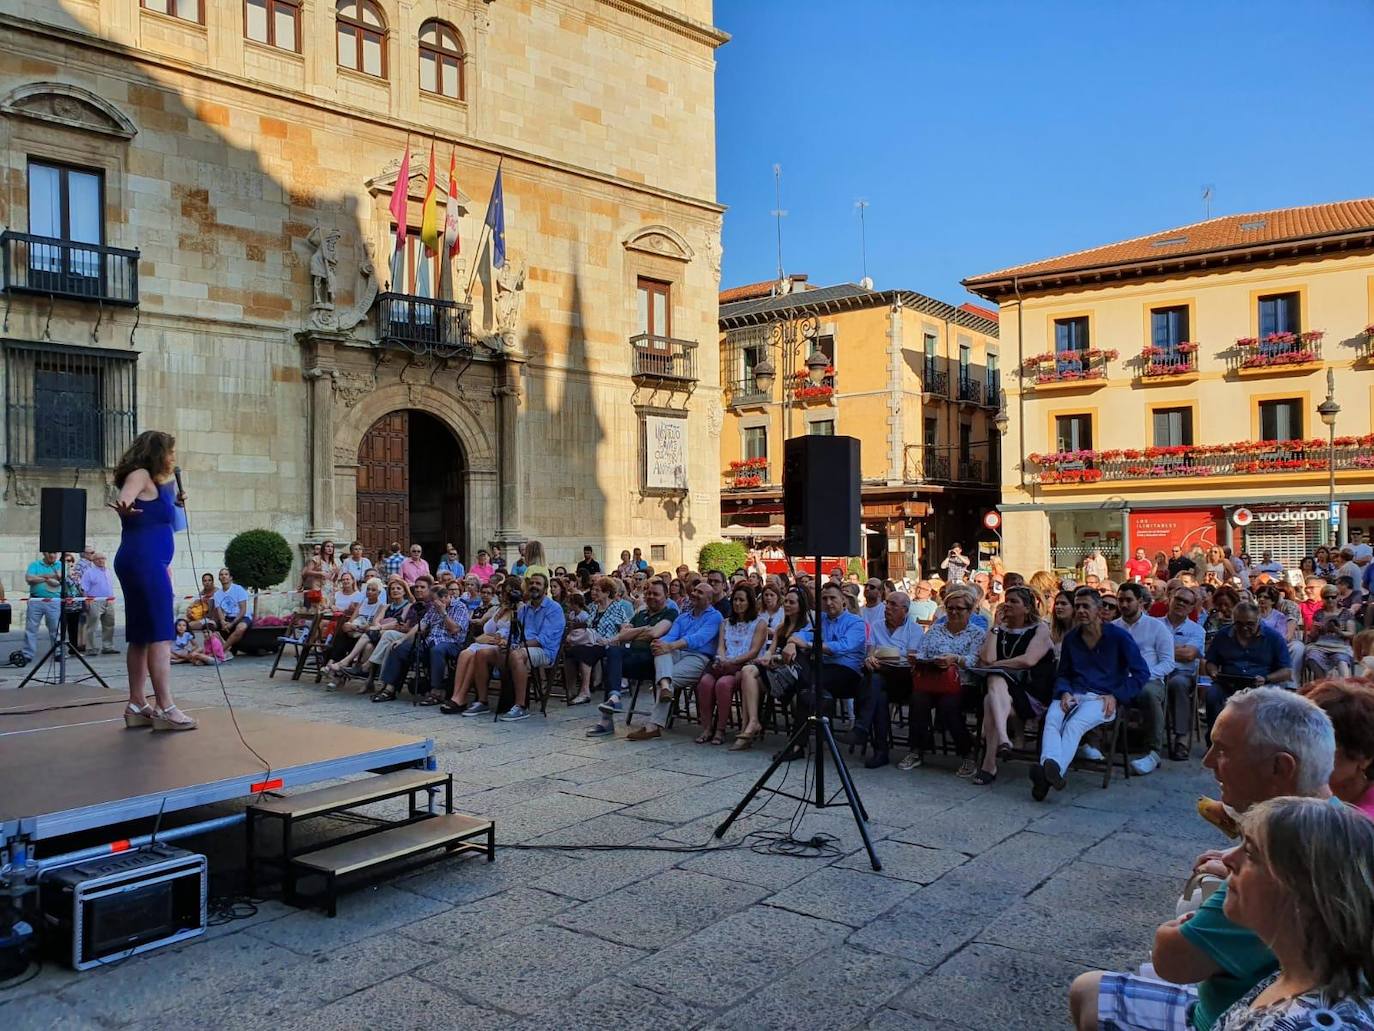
point(1000, 420)
point(1328, 410)
point(788, 337)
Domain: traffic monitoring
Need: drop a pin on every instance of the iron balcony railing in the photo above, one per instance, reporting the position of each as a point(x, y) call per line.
point(750, 472)
point(663, 358)
point(1168, 361)
point(994, 389)
point(971, 470)
point(1258, 458)
point(936, 380)
point(746, 392)
point(970, 390)
point(1276, 351)
point(65, 268)
point(934, 467)
point(424, 325)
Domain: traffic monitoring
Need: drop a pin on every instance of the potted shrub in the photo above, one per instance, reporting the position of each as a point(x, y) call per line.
point(722, 556)
point(259, 560)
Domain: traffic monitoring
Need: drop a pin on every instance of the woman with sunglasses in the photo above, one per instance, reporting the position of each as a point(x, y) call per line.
point(951, 644)
point(1329, 649)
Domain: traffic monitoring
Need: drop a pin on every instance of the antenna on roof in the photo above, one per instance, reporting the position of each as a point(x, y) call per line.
point(778, 213)
point(861, 204)
point(1208, 189)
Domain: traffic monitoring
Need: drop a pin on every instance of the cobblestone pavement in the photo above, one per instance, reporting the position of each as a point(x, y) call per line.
point(987, 905)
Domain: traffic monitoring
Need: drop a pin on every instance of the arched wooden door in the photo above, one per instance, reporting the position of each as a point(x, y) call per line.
point(384, 483)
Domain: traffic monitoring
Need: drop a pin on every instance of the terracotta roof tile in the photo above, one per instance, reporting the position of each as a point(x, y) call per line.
point(979, 310)
point(752, 291)
point(1229, 232)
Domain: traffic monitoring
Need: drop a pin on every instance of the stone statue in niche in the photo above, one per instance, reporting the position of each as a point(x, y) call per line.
point(324, 260)
point(509, 281)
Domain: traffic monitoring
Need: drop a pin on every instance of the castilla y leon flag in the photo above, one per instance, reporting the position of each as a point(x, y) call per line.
point(451, 212)
point(429, 220)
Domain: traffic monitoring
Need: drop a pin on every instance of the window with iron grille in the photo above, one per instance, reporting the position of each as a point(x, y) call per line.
point(658, 552)
point(68, 407)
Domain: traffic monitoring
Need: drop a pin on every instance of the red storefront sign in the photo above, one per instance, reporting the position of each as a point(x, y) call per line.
point(1160, 529)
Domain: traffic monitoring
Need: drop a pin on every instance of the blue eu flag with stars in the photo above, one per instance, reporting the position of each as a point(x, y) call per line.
point(496, 221)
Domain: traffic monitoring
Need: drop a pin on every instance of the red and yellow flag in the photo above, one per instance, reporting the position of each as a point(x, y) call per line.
point(429, 220)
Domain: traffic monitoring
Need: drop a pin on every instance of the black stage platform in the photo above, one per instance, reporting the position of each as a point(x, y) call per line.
point(68, 764)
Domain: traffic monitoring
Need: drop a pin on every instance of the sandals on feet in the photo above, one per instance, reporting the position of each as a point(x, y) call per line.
point(703, 737)
point(742, 742)
point(983, 777)
point(386, 694)
point(718, 738)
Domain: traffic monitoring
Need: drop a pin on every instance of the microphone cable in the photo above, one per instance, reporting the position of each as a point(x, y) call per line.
point(224, 689)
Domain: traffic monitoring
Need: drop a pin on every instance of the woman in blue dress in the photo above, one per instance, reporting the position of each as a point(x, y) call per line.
point(146, 506)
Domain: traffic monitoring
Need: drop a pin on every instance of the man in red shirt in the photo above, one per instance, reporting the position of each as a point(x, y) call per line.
point(1139, 568)
point(1312, 600)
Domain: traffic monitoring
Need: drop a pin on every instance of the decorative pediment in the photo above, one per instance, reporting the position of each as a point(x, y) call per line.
point(659, 241)
point(385, 183)
point(59, 103)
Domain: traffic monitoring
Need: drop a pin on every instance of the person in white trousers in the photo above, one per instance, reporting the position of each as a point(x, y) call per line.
point(1100, 668)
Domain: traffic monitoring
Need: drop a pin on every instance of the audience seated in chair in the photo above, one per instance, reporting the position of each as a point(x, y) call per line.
point(681, 656)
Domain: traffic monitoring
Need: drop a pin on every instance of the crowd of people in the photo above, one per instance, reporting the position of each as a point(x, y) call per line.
point(1273, 670)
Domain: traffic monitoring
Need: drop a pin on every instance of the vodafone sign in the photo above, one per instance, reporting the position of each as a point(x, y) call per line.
point(1244, 516)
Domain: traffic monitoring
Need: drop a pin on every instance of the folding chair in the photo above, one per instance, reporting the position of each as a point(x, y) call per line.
point(295, 641)
point(314, 654)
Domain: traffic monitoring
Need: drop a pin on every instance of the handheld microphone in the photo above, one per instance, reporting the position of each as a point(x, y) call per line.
point(176, 471)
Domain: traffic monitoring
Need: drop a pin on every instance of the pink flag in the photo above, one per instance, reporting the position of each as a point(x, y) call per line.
point(399, 198)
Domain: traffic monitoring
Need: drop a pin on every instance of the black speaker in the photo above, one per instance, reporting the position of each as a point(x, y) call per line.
point(820, 495)
point(62, 519)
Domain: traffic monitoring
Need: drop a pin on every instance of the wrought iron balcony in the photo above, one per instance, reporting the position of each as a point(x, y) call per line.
point(1071, 369)
point(424, 325)
point(663, 359)
point(1169, 362)
point(970, 390)
point(748, 473)
point(746, 392)
point(971, 470)
point(936, 380)
point(991, 396)
point(935, 467)
point(1276, 353)
point(803, 390)
point(65, 268)
point(1241, 458)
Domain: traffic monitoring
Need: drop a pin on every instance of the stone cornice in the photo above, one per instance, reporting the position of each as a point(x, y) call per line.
point(696, 31)
point(414, 127)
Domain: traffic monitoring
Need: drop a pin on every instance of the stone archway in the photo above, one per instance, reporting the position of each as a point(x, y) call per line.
point(470, 426)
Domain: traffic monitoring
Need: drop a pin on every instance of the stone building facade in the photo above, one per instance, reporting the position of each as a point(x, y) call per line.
point(198, 237)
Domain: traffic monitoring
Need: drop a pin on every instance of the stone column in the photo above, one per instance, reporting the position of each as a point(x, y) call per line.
point(507, 393)
point(317, 357)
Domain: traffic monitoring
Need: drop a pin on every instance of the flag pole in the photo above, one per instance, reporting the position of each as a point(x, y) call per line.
point(477, 252)
point(391, 260)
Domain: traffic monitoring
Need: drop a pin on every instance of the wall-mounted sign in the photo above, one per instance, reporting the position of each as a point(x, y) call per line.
point(665, 453)
point(1245, 516)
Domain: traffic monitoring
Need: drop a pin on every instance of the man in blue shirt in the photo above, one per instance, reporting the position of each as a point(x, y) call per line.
point(535, 637)
point(1245, 654)
point(1100, 667)
point(681, 656)
point(1189, 644)
point(843, 646)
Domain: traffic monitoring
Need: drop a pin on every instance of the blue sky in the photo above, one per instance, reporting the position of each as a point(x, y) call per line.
point(984, 134)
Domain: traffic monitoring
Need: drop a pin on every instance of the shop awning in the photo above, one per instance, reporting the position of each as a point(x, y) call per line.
point(739, 531)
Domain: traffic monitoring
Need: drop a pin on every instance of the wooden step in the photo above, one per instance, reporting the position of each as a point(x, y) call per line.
point(395, 843)
point(355, 792)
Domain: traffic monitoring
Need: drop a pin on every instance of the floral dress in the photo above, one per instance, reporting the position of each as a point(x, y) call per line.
point(1308, 1010)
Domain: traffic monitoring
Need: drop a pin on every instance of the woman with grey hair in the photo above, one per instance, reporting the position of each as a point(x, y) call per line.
point(1303, 881)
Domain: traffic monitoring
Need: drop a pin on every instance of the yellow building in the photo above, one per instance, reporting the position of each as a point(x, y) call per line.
point(199, 236)
point(914, 379)
point(1168, 389)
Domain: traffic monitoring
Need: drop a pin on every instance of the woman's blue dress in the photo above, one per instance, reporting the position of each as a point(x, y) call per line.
point(145, 552)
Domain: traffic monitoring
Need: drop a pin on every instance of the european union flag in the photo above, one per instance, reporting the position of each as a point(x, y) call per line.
point(496, 221)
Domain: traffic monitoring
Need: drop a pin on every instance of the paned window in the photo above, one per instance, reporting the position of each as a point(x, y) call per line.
point(187, 10)
point(361, 37)
point(1073, 432)
point(1173, 427)
point(1071, 334)
point(1281, 420)
point(68, 407)
point(274, 22)
point(441, 60)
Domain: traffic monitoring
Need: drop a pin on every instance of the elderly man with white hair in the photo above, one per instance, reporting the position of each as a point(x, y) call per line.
point(1266, 743)
point(892, 641)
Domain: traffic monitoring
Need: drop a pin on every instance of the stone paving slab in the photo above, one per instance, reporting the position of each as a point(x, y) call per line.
point(987, 906)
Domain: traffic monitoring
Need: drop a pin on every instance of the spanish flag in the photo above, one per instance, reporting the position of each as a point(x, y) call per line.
point(429, 221)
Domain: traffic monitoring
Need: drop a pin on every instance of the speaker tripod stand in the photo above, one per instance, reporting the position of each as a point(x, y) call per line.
point(58, 651)
point(816, 731)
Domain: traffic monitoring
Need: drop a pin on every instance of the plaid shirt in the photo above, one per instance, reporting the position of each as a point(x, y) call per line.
point(457, 611)
point(392, 563)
